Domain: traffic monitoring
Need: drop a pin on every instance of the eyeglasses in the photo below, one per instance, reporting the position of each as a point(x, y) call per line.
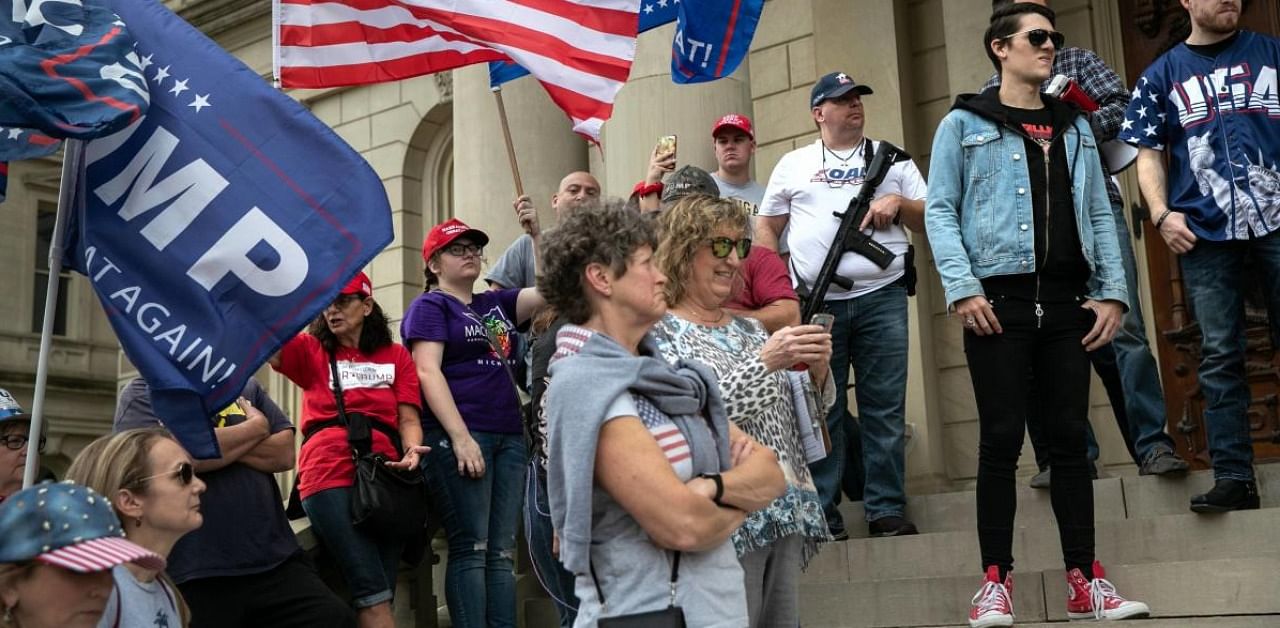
point(1037, 36)
point(343, 300)
point(18, 441)
point(722, 247)
point(460, 250)
point(184, 473)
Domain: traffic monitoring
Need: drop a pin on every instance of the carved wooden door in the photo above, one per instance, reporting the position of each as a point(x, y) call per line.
point(1150, 27)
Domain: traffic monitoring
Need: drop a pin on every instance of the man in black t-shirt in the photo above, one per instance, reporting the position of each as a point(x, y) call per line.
point(243, 567)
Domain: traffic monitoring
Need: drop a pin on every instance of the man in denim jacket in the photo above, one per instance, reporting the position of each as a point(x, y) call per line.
point(1025, 241)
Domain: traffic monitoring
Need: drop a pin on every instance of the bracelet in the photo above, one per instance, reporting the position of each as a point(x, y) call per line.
point(1163, 215)
point(715, 477)
point(643, 189)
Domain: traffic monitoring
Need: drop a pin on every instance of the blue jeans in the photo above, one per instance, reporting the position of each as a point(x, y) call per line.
point(480, 517)
point(1213, 275)
point(870, 333)
point(538, 531)
point(368, 565)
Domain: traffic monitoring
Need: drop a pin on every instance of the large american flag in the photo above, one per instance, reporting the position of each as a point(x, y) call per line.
point(580, 50)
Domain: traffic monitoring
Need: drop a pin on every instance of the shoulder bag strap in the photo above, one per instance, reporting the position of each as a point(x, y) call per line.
point(675, 575)
point(338, 398)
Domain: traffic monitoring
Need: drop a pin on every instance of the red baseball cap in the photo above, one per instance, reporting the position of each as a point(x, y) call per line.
point(360, 285)
point(735, 121)
point(446, 232)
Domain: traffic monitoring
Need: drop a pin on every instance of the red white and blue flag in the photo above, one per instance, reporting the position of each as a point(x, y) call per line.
point(580, 50)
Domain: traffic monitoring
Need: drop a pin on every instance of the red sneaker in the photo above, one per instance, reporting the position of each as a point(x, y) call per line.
point(993, 604)
point(1098, 599)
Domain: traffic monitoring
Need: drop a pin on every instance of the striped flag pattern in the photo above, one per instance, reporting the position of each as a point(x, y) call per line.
point(580, 50)
point(101, 554)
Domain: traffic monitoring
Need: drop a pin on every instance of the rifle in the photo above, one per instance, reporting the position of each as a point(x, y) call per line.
point(848, 237)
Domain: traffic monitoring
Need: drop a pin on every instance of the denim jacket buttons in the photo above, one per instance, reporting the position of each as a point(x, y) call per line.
point(1017, 156)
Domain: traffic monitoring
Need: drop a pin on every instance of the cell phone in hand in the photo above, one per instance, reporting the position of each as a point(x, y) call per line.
point(667, 145)
point(825, 319)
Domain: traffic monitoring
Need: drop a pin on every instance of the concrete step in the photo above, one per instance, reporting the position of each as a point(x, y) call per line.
point(1114, 498)
point(1182, 537)
point(1245, 621)
point(1205, 588)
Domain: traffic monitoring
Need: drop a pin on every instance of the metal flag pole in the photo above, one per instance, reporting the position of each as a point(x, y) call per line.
point(506, 136)
point(71, 158)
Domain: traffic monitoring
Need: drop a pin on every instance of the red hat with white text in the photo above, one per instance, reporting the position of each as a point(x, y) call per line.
point(446, 232)
point(733, 121)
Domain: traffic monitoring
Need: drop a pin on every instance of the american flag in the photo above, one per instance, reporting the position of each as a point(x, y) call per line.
point(580, 50)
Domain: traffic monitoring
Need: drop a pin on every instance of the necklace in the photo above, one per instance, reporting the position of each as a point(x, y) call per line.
point(843, 160)
point(710, 321)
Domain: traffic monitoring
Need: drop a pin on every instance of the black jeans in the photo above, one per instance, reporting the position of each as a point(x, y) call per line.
point(291, 594)
point(1049, 349)
point(1108, 370)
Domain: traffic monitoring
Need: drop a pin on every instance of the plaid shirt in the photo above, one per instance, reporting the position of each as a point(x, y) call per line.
point(1103, 85)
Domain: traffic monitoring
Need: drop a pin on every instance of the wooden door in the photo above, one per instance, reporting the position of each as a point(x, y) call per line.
point(1150, 27)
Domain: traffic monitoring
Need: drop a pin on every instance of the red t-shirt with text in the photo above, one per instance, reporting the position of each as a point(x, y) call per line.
point(373, 385)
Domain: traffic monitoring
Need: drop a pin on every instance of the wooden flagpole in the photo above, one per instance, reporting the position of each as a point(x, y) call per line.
point(506, 136)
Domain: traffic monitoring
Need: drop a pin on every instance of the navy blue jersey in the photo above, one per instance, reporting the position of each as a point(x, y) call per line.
point(1219, 119)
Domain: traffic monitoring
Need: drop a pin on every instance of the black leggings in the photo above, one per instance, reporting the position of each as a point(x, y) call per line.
point(1059, 367)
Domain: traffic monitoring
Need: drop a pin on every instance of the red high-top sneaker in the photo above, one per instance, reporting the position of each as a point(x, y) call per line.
point(993, 603)
point(1098, 599)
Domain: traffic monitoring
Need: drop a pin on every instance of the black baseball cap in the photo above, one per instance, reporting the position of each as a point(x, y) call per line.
point(834, 85)
point(689, 180)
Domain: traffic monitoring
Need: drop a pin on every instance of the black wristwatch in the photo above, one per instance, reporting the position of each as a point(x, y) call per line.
point(715, 477)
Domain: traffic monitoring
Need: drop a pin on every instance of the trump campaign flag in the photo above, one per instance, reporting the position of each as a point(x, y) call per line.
point(218, 225)
point(67, 70)
point(579, 50)
point(712, 38)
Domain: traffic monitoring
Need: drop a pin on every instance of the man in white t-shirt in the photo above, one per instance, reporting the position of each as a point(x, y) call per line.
point(870, 331)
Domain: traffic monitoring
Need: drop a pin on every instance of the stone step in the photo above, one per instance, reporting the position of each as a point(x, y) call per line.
point(1114, 498)
point(1243, 621)
point(1205, 588)
point(1182, 537)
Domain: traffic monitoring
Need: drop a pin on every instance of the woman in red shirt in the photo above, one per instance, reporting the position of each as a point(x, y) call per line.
point(378, 380)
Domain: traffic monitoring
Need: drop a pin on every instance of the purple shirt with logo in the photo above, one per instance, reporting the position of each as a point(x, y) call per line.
point(477, 380)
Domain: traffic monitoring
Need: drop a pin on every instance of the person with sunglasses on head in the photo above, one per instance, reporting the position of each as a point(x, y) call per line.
point(462, 347)
point(1025, 243)
point(151, 483)
point(703, 243)
point(1126, 366)
point(807, 186)
point(58, 546)
point(234, 573)
point(15, 431)
point(352, 337)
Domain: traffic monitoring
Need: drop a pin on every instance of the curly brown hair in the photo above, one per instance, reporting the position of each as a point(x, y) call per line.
point(605, 236)
point(684, 228)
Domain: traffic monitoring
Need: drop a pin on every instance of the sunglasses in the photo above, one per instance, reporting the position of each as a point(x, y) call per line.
point(18, 441)
point(185, 473)
point(1037, 36)
point(460, 250)
point(722, 247)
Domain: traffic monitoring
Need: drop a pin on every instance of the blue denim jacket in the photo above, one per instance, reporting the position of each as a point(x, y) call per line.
point(979, 211)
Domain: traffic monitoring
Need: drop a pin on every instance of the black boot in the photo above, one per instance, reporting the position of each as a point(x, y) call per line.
point(1227, 495)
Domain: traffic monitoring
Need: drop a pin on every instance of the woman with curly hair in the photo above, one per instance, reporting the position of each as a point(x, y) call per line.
point(704, 240)
point(646, 480)
point(353, 337)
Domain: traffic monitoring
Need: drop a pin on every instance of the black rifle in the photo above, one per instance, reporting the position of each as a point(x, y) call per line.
point(848, 237)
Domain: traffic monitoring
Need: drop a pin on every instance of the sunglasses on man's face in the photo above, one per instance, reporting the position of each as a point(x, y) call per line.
point(722, 247)
point(185, 473)
point(1037, 36)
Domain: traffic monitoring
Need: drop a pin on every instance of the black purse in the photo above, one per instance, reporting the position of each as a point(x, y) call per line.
point(670, 617)
point(385, 502)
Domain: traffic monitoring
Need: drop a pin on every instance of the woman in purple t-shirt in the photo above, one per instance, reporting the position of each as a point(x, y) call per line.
point(471, 419)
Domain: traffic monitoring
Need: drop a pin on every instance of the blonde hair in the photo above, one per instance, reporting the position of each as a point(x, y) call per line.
point(683, 229)
point(121, 461)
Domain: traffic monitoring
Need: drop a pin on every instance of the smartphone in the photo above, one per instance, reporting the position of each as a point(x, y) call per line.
point(667, 145)
point(826, 320)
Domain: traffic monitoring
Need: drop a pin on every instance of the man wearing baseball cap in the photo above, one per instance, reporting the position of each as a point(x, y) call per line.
point(15, 425)
point(870, 331)
point(735, 143)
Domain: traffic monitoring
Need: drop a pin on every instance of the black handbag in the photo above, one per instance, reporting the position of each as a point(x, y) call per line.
point(385, 502)
point(670, 617)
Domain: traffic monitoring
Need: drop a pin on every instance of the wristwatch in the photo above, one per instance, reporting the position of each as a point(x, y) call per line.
point(715, 477)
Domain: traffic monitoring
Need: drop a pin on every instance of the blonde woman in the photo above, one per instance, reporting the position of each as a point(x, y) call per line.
point(151, 483)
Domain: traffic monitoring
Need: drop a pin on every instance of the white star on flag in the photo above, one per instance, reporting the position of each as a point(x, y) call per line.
point(1126, 125)
point(179, 87)
point(1153, 97)
point(14, 133)
point(145, 61)
point(648, 8)
point(200, 102)
point(161, 75)
point(1137, 92)
point(1158, 147)
point(662, 4)
point(1161, 115)
point(1142, 112)
point(1150, 130)
point(1144, 80)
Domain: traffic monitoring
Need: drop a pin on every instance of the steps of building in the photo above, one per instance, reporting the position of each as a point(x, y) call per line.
point(1245, 621)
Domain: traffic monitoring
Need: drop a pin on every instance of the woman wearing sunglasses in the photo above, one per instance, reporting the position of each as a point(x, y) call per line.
point(462, 344)
point(704, 240)
point(1025, 243)
point(150, 481)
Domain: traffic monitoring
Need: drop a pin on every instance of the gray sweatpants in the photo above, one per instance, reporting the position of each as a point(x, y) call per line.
point(773, 583)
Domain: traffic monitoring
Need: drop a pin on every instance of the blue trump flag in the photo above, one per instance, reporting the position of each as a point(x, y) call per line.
point(218, 225)
point(712, 38)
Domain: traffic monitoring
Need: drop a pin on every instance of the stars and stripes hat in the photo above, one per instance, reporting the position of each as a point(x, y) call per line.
point(10, 409)
point(68, 526)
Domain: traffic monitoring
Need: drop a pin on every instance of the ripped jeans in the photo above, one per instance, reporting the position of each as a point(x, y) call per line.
point(480, 518)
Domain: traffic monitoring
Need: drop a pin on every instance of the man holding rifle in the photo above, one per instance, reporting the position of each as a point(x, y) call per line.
point(809, 187)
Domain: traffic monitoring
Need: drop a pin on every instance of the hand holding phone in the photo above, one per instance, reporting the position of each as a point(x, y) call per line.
point(825, 319)
point(667, 146)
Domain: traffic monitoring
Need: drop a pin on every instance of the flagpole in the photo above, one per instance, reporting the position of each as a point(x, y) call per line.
point(71, 157)
point(506, 136)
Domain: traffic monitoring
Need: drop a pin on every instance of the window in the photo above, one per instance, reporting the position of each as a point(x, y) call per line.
point(46, 213)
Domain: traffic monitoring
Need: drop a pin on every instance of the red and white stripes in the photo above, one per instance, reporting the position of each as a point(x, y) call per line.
point(101, 554)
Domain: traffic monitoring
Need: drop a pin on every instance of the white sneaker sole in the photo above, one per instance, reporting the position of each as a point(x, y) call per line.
point(1128, 610)
point(991, 622)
